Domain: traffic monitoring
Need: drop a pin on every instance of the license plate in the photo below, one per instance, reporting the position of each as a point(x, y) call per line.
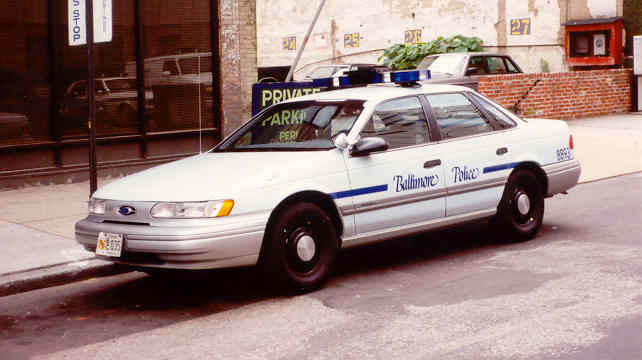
point(109, 244)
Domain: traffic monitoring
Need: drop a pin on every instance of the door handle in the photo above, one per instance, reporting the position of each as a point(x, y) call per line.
point(501, 151)
point(432, 163)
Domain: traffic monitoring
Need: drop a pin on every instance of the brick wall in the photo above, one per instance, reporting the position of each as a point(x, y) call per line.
point(562, 95)
point(238, 60)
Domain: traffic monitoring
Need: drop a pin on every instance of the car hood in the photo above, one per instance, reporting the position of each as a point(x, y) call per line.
point(210, 176)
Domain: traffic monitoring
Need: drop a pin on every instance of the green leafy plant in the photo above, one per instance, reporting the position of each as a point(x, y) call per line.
point(543, 66)
point(404, 57)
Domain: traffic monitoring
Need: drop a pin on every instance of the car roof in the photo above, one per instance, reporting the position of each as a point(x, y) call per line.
point(380, 92)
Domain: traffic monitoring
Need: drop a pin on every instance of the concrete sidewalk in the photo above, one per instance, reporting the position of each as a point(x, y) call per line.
point(37, 222)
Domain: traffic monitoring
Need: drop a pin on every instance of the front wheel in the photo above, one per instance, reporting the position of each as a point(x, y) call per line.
point(521, 209)
point(300, 248)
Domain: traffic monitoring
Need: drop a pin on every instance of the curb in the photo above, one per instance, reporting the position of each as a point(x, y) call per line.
point(56, 275)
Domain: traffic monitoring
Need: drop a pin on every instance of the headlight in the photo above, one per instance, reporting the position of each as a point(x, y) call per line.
point(96, 206)
point(186, 210)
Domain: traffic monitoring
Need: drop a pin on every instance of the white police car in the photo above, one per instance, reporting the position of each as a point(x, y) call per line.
point(308, 177)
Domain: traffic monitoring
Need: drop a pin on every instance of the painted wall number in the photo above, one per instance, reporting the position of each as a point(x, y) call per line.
point(289, 43)
point(412, 36)
point(351, 41)
point(520, 26)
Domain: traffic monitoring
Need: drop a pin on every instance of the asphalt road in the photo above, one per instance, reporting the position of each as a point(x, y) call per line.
point(575, 292)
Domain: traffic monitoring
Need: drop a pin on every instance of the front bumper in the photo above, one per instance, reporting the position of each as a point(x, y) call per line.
point(562, 176)
point(206, 246)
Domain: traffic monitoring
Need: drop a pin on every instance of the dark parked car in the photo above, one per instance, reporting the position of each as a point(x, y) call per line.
point(116, 105)
point(465, 68)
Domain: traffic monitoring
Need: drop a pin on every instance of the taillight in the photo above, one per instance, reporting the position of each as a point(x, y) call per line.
point(570, 142)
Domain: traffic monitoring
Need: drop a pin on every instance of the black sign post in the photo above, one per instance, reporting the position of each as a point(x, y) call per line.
point(91, 95)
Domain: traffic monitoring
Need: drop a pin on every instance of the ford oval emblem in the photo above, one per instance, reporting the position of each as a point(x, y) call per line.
point(126, 210)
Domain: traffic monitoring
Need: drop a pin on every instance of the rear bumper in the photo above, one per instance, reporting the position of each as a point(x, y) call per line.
point(176, 247)
point(562, 176)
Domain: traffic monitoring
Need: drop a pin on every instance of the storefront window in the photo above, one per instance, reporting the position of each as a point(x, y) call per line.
point(178, 64)
point(116, 95)
point(44, 94)
point(24, 72)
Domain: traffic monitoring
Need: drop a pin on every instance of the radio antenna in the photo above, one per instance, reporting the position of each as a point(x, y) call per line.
point(200, 107)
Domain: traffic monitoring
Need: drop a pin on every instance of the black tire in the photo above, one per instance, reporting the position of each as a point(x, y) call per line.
point(300, 269)
point(521, 222)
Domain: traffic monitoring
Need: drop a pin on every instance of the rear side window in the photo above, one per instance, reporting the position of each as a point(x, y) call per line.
point(195, 65)
point(456, 116)
point(496, 65)
point(401, 122)
point(511, 67)
point(503, 121)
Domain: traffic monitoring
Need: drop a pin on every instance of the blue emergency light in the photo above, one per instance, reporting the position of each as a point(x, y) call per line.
point(361, 78)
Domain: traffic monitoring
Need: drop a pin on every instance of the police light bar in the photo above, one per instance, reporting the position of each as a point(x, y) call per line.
point(404, 78)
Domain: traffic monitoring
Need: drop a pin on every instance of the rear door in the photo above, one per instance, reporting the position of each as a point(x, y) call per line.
point(475, 156)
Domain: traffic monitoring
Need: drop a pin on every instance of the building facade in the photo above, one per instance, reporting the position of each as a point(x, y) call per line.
point(530, 31)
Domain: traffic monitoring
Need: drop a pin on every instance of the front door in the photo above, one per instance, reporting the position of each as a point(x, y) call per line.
point(405, 184)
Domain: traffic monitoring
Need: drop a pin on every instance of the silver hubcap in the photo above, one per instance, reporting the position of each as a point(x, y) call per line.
point(523, 204)
point(306, 248)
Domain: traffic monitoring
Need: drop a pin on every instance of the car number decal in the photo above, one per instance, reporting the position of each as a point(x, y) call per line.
point(564, 154)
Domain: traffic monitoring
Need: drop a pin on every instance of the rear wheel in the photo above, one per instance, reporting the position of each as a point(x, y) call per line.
point(300, 248)
point(521, 209)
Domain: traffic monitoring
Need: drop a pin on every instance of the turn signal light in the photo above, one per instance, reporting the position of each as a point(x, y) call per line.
point(570, 142)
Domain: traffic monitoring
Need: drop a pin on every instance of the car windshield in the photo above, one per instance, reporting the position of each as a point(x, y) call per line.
point(322, 72)
point(121, 84)
point(192, 66)
point(447, 64)
point(303, 125)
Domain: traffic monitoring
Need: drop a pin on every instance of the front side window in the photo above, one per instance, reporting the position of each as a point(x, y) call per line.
point(306, 125)
point(456, 116)
point(400, 122)
point(476, 66)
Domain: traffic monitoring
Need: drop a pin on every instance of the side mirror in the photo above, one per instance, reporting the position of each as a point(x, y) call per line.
point(341, 141)
point(368, 145)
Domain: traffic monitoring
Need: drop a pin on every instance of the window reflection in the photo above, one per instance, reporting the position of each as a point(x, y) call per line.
point(43, 80)
point(178, 64)
point(24, 72)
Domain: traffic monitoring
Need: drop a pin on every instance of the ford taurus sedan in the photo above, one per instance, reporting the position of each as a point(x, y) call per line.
point(306, 178)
